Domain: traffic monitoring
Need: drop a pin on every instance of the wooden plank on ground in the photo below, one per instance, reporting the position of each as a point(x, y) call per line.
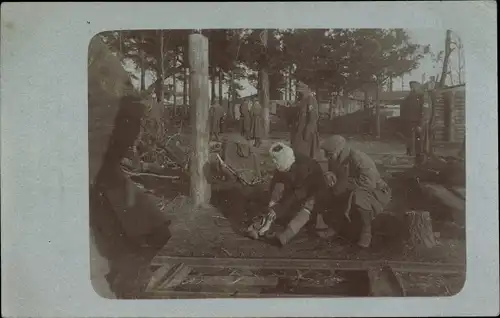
point(238, 281)
point(158, 276)
point(276, 263)
point(178, 275)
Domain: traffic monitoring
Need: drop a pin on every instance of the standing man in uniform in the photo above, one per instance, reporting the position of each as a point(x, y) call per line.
point(415, 112)
point(305, 136)
point(215, 114)
point(245, 120)
point(256, 124)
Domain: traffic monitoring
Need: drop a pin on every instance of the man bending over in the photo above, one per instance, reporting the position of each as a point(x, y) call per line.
point(296, 184)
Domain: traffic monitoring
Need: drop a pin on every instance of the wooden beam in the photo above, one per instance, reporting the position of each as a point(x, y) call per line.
point(276, 263)
point(200, 102)
point(179, 274)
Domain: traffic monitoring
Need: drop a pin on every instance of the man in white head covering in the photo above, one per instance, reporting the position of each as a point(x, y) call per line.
point(296, 183)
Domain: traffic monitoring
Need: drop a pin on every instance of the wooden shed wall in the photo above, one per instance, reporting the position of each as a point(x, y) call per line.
point(449, 121)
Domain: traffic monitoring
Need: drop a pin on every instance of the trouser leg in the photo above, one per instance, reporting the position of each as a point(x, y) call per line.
point(365, 217)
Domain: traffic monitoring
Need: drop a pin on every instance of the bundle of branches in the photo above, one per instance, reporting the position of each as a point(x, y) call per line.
point(151, 146)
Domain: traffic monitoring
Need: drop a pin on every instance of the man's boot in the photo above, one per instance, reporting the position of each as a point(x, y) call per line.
point(365, 238)
point(294, 226)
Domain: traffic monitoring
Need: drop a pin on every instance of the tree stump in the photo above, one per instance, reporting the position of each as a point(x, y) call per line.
point(420, 230)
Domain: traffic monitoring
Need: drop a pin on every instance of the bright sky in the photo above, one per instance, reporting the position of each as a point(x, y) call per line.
point(434, 37)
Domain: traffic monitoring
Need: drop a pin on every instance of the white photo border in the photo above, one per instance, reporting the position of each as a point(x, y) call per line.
point(44, 151)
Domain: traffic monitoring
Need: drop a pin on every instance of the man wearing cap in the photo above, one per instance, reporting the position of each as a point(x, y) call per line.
point(304, 136)
point(296, 184)
point(358, 193)
point(256, 123)
point(215, 118)
point(245, 119)
point(415, 113)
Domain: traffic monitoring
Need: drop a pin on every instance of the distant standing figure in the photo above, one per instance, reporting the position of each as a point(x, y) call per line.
point(256, 123)
point(215, 114)
point(245, 120)
point(305, 137)
point(416, 110)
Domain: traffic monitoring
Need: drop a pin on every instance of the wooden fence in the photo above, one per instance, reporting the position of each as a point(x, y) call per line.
point(449, 120)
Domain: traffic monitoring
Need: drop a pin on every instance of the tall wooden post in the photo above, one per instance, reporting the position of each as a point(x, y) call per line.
point(200, 101)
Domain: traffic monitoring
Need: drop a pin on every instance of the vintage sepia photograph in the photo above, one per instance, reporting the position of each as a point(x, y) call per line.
point(269, 163)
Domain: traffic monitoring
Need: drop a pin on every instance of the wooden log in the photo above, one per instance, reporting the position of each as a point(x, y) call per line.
point(454, 203)
point(200, 102)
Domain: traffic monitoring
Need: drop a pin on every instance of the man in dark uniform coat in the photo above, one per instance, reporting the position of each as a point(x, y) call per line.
point(304, 136)
point(256, 123)
point(215, 117)
point(415, 115)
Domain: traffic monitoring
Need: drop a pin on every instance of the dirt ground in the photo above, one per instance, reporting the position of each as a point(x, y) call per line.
point(217, 234)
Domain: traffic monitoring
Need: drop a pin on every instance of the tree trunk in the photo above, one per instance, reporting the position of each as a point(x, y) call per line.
point(447, 52)
point(174, 93)
point(265, 100)
point(120, 41)
point(143, 66)
point(366, 101)
point(377, 111)
point(161, 69)
point(198, 61)
point(212, 84)
point(289, 83)
point(185, 87)
point(221, 82)
point(231, 97)
point(264, 86)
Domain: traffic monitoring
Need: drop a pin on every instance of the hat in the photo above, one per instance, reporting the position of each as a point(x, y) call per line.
point(302, 86)
point(333, 144)
point(282, 155)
